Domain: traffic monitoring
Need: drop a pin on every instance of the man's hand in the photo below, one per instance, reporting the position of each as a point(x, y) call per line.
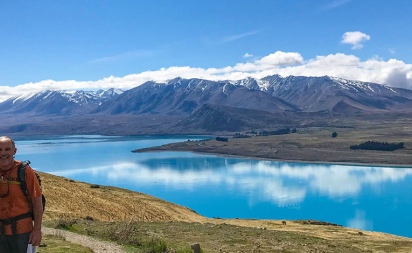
point(35, 237)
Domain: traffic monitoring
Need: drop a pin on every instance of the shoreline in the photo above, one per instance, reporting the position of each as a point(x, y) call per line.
point(359, 164)
point(164, 148)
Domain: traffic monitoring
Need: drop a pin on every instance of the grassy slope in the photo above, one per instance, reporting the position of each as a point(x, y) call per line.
point(57, 244)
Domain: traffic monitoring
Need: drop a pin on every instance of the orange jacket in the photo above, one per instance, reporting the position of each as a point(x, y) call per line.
point(14, 202)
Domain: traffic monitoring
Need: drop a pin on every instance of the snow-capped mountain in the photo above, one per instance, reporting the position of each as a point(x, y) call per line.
point(271, 94)
point(312, 94)
point(184, 96)
point(57, 102)
point(202, 106)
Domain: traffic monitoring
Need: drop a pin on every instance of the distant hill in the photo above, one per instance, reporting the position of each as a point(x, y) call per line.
point(202, 106)
point(57, 102)
point(232, 119)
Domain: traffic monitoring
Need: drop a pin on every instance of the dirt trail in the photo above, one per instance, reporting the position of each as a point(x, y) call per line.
point(94, 244)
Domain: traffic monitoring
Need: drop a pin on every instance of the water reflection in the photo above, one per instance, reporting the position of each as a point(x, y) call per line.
point(367, 197)
point(283, 184)
point(360, 221)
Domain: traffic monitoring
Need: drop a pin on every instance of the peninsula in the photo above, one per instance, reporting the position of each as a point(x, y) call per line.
point(317, 145)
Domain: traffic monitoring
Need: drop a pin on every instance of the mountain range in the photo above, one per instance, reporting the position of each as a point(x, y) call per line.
point(202, 106)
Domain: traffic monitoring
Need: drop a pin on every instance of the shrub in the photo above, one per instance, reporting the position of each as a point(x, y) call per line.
point(66, 223)
point(157, 246)
point(222, 139)
point(276, 132)
point(383, 146)
point(124, 233)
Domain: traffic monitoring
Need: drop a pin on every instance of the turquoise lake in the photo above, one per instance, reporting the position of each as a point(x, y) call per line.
point(363, 197)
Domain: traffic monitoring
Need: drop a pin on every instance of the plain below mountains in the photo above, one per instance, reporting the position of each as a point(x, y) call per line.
point(198, 106)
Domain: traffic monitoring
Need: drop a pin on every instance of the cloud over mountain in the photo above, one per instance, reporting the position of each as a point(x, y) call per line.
point(355, 39)
point(394, 73)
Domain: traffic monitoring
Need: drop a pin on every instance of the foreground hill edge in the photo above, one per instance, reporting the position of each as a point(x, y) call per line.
point(111, 204)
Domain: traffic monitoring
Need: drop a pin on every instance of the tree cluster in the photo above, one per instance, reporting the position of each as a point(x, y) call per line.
point(383, 146)
point(239, 135)
point(222, 139)
point(276, 132)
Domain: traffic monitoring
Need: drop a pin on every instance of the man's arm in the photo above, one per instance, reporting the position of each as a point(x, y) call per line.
point(35, 235)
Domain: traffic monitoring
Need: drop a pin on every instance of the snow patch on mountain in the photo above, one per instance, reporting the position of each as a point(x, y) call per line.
point(365, 86)
point(77, 96)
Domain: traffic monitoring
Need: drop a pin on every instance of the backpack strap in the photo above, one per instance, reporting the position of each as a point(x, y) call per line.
point(13, 222)
point(21, 177)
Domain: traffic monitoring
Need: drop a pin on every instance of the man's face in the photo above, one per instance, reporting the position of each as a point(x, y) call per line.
point(7, 151)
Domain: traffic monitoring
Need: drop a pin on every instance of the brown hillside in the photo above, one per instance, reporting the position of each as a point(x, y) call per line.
point(75, 199)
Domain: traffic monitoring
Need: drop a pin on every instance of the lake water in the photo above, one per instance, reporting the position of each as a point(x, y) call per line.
point(364, 197)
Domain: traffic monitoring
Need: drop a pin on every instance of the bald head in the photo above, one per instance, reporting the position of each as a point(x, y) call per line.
point(7, 152)
point(7, 139)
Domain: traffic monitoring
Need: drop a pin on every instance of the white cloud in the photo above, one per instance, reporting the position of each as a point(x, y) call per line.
point(355, 39)
point(280, 59)
point(247, 55)
point(392, 72)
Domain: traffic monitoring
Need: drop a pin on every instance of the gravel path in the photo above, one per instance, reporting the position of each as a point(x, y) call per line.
point(96, 245)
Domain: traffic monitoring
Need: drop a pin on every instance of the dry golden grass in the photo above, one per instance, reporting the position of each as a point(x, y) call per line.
point(72, 199)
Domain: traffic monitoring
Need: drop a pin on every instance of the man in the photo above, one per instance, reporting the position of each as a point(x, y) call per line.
point(18, 228)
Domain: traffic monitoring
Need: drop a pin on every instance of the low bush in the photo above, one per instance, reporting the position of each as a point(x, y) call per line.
point(66, 223)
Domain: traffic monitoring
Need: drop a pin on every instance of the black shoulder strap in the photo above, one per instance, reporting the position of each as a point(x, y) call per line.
point(21, 176)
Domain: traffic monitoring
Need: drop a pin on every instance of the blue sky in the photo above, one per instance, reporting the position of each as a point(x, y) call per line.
point(78, 44)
